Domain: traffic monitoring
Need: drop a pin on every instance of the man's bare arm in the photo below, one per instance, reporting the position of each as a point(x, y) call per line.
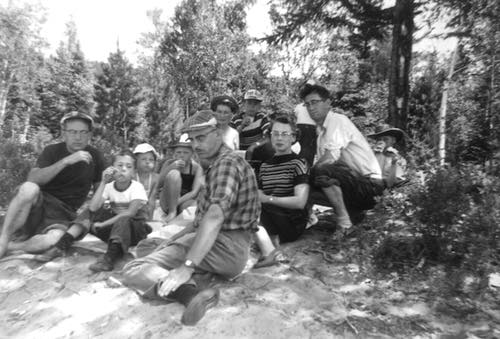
point(43, 175)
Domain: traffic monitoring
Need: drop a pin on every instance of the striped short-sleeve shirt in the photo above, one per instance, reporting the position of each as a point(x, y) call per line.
point(253, 132)
point(230, 184)
point(279, 175)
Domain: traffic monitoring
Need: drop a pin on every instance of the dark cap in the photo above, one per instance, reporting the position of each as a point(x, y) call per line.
point(312, 86)
point(224, 100)
point(77, 115)
point(385, 129)
point(182, 142)
point(200, 120)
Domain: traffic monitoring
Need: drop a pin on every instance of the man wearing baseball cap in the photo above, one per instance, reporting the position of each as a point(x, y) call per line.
point(217, 242)
point(44, 206)
point(252, 125)
point(346, 173)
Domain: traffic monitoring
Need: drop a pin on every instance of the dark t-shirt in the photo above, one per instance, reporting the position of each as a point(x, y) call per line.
point(73, 183)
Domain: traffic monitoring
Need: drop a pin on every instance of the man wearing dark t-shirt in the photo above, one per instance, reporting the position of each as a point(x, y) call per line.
point(46, 203)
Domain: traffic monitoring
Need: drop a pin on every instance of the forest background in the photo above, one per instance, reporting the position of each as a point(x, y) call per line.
point(449, 105)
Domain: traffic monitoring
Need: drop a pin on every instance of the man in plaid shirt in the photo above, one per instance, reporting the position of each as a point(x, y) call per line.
point(218, 241)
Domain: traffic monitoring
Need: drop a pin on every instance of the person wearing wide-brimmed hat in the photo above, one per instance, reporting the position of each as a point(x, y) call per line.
point(46, 204)
point(346, 174)
point(219, 239)
point(180, 180)
point(392, 164)
point(225, 107)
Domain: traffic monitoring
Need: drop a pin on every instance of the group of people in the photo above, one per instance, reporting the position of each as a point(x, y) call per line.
point(264, 196)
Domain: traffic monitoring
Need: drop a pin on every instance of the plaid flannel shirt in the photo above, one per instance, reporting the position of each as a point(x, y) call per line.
point(230, 184)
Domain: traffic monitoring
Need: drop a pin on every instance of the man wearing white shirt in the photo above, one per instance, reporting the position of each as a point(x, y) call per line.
point(346, 173)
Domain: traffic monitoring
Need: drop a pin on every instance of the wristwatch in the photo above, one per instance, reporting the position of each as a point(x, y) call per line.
point(189, 263)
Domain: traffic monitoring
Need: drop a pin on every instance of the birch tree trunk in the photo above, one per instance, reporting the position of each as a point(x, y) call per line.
point(444, 106)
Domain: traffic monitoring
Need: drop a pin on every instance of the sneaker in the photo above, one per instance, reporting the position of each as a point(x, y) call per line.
point(199, 305)
point(313, 220)
point(50, 254)
point(104, 264)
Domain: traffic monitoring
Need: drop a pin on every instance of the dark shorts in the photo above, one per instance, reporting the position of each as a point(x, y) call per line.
point(307, 141)
point(127, 231)
point(47, 213)
point(286, 223)
point(359, 192)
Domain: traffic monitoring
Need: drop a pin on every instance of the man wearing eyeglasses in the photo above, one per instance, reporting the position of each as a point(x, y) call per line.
point(346, 173)
point(219, 239)
point(57, 186)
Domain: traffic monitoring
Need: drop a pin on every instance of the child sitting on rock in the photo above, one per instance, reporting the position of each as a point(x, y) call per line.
point(123, 223)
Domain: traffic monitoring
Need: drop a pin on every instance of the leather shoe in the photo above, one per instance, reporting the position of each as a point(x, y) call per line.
point(198, 306)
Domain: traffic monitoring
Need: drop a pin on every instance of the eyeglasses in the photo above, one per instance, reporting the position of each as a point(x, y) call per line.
point(312, 103)
point(74, 133)
point(284, 134)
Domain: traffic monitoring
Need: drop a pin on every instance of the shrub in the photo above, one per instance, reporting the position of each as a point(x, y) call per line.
point(16, 160)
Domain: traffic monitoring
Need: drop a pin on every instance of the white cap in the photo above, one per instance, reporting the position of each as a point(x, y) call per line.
point(145, 148)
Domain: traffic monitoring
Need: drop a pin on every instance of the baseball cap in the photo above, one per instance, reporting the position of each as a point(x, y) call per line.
point(253, 94)
point(182, 142)
point(145, 148)
point(199, 120)
point(77, 115)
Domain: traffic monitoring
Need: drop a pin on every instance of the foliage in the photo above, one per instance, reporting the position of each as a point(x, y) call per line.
point(20, 55)
point(450, 217)
point(16, 161)
point(117, 95)
point(67, 84)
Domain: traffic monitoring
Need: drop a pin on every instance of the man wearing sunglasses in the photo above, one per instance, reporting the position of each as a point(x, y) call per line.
point(217, 242)
point(44, 206)
point(346, 173)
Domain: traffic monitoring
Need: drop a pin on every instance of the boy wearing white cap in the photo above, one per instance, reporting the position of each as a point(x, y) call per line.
point(146, 157)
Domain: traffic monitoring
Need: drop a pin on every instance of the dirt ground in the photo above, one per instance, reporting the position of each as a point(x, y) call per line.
point(327, 290)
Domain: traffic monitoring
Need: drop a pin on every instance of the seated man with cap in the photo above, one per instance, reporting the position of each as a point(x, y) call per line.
point(392, 164)
point(46, 204)
point(180, 180)
point(219, 238)
point(346, 173)
point(253, 125)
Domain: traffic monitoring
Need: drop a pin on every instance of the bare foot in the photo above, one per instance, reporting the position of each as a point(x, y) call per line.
point(168, 218)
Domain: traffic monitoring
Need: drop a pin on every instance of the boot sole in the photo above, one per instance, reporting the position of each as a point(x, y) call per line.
point(199, 305)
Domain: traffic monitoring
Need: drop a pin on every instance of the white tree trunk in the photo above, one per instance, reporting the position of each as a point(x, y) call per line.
point(443, 108)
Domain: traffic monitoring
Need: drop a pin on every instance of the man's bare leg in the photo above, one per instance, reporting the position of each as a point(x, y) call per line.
point(336, 198)
point(18, 212)
point(171, 193)
point(37, 243)
point(62, 244)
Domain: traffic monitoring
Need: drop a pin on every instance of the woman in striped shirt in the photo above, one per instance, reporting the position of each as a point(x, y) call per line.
point(284, 190)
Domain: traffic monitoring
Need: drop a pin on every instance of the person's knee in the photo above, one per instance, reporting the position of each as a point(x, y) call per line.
point(174, 176)
point(53, 236)
point(28, 192)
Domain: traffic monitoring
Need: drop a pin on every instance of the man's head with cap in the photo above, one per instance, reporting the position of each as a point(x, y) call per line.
point(316, 98)
point(252, 101)
point(204, 134)
point(75, 115)
point(76, 130)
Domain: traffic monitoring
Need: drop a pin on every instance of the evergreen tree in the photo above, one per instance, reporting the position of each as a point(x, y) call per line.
point(68, 84)
point(117, 96)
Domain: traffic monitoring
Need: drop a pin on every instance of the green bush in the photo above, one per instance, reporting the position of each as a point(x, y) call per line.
point(16, 161)
point(450, 218)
